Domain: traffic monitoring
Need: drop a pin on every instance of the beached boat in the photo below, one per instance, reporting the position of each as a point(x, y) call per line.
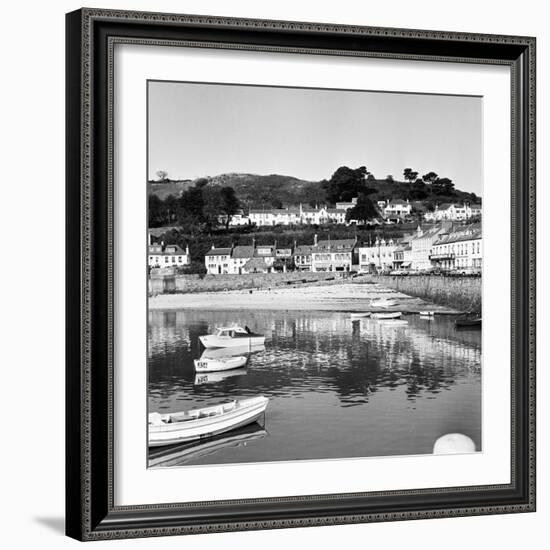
point(169, 429)
point(468, 323)
point(388, 315)
point(227, 337)
point(205, 364)
point(360, 314)
point(176, 455)
point(219, 376)
point(427, 313)
point(383, 302)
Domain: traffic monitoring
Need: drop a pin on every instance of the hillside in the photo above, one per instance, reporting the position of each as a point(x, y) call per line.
point(255, 190)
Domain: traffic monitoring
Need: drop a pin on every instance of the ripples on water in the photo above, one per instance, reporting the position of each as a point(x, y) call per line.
point(338, 387)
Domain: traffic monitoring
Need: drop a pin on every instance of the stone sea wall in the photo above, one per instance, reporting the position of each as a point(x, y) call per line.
point(167, 282)
point(463, 293)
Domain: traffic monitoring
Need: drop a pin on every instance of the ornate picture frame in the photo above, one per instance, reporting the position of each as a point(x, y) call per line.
point(91, 335)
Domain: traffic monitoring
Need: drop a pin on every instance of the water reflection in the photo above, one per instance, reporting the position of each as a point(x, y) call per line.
point(337, 386)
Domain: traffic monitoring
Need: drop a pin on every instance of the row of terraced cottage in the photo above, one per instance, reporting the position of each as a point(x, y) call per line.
point(444, 246)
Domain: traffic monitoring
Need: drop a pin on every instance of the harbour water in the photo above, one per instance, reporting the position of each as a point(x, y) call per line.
point(338, 387)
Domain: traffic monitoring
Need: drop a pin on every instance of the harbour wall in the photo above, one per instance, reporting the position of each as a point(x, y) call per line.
point(168, 282)
point(462, 293)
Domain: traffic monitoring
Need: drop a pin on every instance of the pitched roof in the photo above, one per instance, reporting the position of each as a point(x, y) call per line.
point(397, 202)
point(303, 250)
point(243, 252)
point(464, 233)
point(336, 244)
point(218, 252)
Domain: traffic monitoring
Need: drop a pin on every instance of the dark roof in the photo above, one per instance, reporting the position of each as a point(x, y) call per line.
point(219, 252)
point(243, 252)
point(465, 233)
point(303, 250)
point(169, 250)
point(336, 244)
point(397, 201)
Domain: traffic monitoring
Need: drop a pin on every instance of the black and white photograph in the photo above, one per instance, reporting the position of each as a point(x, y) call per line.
point(314, 264)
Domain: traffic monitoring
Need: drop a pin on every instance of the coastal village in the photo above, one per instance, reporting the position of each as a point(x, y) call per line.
point(447, 241)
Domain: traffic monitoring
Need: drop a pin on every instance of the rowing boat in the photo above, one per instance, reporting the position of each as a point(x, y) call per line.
point(383, 302)
point(388, 315)
point(195, 424)
point(205, 364)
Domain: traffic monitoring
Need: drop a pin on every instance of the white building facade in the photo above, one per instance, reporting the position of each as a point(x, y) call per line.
point(170, 255)
point(377, 257)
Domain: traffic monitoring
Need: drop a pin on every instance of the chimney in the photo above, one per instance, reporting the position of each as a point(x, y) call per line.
point(315, 240)
point(187, 249)
point(212, 247)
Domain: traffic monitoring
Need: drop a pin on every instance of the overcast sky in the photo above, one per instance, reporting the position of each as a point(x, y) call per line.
point(209, 129)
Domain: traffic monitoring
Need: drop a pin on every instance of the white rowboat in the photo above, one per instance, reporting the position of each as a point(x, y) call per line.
point(169, 429)
point(389, 315)
point(383, 302)
point(205, 364)
point(228, 337)
point(427, 313)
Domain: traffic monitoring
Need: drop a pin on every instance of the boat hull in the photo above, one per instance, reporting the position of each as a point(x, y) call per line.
point(248, 411)
point(393, 315)
point(216, 365)
point(213, 341)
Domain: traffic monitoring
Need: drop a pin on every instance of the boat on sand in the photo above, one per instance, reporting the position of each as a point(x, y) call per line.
point(195, 424)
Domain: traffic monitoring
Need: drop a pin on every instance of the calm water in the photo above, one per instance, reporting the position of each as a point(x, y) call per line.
point(338, 387)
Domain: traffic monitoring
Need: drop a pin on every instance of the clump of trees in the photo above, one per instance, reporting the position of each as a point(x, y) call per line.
point(198, 209)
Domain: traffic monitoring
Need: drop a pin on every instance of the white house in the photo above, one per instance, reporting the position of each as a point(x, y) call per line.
point(377, 257)
point(170, 255)
point(333, 255)
point(218, 261)
point(459, 249)
point(395, 209)
point(346, 205)
point(453, 212)
point(421, 246)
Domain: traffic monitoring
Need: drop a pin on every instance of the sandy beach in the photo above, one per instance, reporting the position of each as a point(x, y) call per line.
point(342, 297)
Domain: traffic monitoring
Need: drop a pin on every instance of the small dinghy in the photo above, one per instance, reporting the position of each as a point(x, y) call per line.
point(468, 323)
point(205, 364)
point(227, 337)
point(389, 315)
point(383, 302)
point(169, 429)
point(427, 313)
point(360, 314)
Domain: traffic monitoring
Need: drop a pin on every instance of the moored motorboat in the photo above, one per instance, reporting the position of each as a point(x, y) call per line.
point(169, 429)
point(427, 313)
point(388, 315)
point(473, 322)
point(226, 337)
point(205, 364)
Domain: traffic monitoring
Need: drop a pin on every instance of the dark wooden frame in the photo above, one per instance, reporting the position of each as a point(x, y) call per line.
point(91, 34)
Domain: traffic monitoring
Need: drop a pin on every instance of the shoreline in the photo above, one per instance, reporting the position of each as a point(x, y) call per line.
point(347, 297)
